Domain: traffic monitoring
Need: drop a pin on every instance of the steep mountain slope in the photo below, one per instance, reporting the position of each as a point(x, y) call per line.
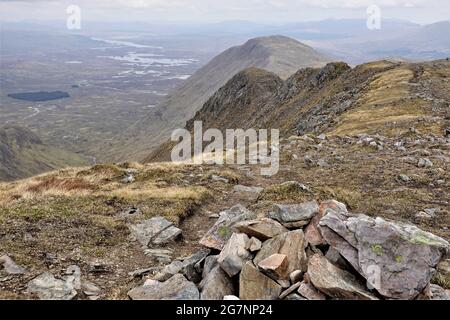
point(381, 97)
point(23, 154)
point(280, 55)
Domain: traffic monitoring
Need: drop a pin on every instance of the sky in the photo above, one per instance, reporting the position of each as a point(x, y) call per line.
point(262, 11)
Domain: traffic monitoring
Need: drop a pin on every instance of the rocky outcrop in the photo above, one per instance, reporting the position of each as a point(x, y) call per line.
point(336, 255)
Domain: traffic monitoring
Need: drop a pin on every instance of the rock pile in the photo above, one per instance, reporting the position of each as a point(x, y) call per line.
point(307, 251)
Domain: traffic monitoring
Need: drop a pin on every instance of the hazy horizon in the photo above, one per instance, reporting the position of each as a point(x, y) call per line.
point(203, 11)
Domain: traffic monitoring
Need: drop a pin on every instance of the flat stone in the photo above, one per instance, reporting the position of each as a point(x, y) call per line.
point(308, 291)
point(262, 229)
point(216, 285)
point(254, 285)
point(245, 189)
point(295, 216)
point(234, 255)
point(47, 287)
point(291, 289)
point(222, 230)
point(335, 282)
point(157, 231)
point(275, 266)
point(294, 296)
point(10, 266)
point(291, 244)
point(169, 271)
point(176, 288)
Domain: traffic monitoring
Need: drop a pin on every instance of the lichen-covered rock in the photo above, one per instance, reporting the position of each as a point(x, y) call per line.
point(222, 230)
point(397, 259)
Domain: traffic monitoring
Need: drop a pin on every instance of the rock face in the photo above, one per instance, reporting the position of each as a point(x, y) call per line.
point(291, 244)
point(157, 231)
point(10, 266)
point(222, 230)
point(47, 287)
point(253, 285)
point(234, 255)
point(262, 229)
point(295, 216)
point(335, 282)
point(398, 260)
point(176, 288)
point(216, 285)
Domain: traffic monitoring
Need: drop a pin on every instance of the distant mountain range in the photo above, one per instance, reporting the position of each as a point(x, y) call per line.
point(278, 54)
point(23, 154)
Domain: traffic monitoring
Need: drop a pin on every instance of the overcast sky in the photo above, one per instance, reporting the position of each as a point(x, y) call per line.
point(269, 11)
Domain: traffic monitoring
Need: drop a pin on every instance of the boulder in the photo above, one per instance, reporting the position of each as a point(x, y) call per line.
point(262, 229)
point(222, 230)
point(254, 285)
point(291, 244)
point(47, 287)
point(335, 282)
point(176, 288)
point(216, 285)
point(397, 259)
point(10, 266)
point(275, 266)
point(234, 255)
point(295, 216)
point(157, 231)
point(308, 291)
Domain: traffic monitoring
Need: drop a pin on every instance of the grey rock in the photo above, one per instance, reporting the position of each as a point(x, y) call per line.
point(404, 178)
point(335, 282)
point(11, 267)
point(188, 269)
point(90, 289)
point(295, 216)
point(141, 272)
point(222, 230)
point(176, 288)
point(234, 255)
point(210, 263)
point(169, 271)
point(216, 285)
point(157, 230)
point(47, 287)
point(294, 296)
point(424, 163)
point(245, 189)
point(254, 285)
point(217, 178)
point(128, 179)
point(397, 259)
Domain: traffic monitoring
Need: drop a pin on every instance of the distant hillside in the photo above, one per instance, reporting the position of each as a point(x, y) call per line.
point(280, 55)
point(382, 97)
point(23, 154)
